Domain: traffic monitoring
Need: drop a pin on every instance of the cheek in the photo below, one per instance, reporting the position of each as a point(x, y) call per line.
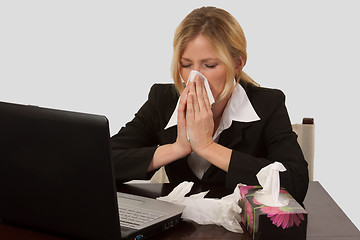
point(185, 74)
point(217, 82)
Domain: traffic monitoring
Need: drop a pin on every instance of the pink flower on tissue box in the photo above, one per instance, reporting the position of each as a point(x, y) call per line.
point(264, 222)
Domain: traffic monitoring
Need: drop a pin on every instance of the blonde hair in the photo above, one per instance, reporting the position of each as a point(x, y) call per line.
point(225, 36)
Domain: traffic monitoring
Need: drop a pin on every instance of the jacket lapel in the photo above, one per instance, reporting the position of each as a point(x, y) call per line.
point(233, 135)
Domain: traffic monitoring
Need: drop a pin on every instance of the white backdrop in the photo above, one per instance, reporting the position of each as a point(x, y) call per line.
point(102, 57)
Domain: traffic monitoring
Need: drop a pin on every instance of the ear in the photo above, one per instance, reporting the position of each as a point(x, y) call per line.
point(239, 63)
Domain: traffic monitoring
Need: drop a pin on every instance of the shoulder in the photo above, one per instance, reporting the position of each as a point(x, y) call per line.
point(262, 95)
point(255, 92)
point(265, 100)
point(163, 97)
point(163, 90)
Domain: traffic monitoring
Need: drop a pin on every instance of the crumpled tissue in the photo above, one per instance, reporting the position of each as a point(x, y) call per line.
point(191, 78)
point(269, 179)
point(222, 212)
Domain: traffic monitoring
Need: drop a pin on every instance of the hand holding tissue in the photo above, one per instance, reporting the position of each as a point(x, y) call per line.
point(191, 78)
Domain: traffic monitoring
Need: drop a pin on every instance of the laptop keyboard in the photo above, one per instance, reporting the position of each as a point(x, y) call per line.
point(133, 217)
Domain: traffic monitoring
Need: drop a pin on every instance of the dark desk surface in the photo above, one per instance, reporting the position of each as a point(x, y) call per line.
point(326, 221)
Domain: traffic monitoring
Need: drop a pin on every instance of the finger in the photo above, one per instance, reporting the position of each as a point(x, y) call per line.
point(183, 97)
point(190, 114)
point(206, 99)
point(181, 120)
point(194, 98)
point(181, 111)
point(201, 93)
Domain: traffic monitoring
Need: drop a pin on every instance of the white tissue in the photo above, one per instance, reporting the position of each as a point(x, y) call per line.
point(269, 179)
point(222, 212)
point(191, 78)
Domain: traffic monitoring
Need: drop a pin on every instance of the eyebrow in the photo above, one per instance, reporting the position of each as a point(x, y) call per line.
point(203, 60)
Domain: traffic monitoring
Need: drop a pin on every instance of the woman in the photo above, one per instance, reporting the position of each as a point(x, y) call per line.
point(228, 142)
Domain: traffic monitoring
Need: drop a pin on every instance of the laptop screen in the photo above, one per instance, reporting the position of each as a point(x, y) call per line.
point(56, 171)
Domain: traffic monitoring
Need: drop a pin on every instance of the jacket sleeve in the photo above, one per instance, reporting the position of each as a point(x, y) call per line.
point(279, 144)
point(134, 145)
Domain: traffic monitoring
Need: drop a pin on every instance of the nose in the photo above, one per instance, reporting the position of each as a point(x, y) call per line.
point(197, 68)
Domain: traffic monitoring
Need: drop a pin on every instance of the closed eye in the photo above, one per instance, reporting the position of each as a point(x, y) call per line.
point(211, 65)
point(185, 65)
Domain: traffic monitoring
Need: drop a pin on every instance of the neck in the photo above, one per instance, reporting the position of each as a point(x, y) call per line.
point(218, 110)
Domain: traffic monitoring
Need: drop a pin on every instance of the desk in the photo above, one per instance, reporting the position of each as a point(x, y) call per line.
point(326, 221)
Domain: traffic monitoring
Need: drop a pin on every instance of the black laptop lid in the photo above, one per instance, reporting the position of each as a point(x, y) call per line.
point(56, 172)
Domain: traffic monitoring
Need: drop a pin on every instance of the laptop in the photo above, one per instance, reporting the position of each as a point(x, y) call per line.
point(56, 175)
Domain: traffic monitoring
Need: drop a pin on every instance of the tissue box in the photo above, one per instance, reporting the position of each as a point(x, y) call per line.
point(264, 222)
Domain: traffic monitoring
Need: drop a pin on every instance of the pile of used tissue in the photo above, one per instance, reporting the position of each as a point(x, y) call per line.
point(226, 211)
point(222, 212)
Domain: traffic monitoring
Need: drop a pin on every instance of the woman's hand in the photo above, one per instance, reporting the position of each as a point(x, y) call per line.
point(168, 153)
point(195, 129)
point(199, 116)
point(182, 143)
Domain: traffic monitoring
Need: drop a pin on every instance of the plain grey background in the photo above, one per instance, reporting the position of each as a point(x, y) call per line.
point(103, 56)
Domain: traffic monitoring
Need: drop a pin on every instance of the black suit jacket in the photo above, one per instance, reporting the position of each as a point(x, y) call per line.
point(254, 144)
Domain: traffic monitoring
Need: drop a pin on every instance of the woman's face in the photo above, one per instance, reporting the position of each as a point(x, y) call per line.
point(199, 56)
